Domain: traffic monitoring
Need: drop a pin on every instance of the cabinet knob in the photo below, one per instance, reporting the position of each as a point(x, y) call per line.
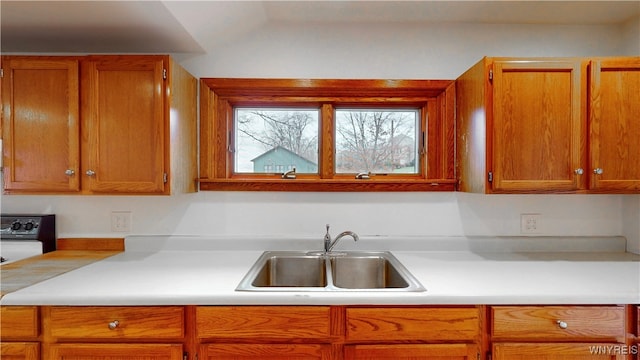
point(598, 171)
point(90, 172)
point(578, 171)
point(69, 172)
point(114, 324)
point(562, 324)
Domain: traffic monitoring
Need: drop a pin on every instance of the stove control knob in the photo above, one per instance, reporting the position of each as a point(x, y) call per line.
point(29, 226)
point(16, 225)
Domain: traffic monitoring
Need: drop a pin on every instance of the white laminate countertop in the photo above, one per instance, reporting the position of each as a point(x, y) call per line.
point(198, 271)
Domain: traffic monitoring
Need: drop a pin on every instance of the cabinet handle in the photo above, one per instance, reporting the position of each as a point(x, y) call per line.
point(598, 171)
point(90, 172)
point(562, 324)
point(578, 171)
point(69, 172)
point(114, 324)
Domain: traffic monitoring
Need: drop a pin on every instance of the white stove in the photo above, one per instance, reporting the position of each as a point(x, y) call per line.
point(23, 236)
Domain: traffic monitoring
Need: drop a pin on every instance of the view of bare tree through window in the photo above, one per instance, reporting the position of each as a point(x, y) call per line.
point(276, 140)
point(376, 141)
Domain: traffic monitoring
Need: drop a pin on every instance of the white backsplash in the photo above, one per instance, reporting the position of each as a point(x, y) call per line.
point(305, 214)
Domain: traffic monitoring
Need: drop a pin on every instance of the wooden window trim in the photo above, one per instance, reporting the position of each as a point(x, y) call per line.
point(218, 96)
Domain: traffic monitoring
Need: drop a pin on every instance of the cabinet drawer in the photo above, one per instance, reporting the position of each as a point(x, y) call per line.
point(428, 324)
point(116, 351)
point(558, 322)
point(263, 322)
point(19, 322)
point(558, 351)
point(20, 350)
point(117, 322)
point(265, 351)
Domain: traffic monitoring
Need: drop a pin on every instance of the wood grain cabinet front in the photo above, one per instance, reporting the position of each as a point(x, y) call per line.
point(119, 124)
point(141, 323)
point(114, 332)
point(19, 322)
point(417, 324)
point(412, 352)
point(549, 125)
point(560, 351)
point(417, 333)
point(19, 333)
point(614, 129)
point(264, 332)
point(558, 323)
point(265, 352)
point(559, 332)
point(263, 322)
point(41, 112)
point(20, 350)
point(116, 351)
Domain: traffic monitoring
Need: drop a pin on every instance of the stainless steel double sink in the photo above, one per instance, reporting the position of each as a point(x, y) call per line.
point(319, 271)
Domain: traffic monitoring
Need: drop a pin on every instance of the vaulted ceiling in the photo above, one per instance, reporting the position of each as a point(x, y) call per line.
point(199, 26)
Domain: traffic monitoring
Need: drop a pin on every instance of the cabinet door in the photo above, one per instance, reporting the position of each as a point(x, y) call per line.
point(265, 352)
point(124, 124)
point(537, 125)
point(40, 102)
point(411, 352)
point(116, 351)
point(615, 125)
point(20, 351)
point(573, 351)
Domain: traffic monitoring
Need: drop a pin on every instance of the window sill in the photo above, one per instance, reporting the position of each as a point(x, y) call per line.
point(326, 185)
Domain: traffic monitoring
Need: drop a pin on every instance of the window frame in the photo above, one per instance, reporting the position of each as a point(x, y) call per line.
point(219, 96)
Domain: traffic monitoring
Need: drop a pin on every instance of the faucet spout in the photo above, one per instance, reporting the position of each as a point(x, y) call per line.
point(329, 244)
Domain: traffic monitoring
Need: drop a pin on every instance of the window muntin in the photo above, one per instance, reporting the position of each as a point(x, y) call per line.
point(275, 140)
point(380, 141)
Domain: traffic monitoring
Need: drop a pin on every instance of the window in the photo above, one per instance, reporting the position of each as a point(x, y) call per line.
point(338, 135)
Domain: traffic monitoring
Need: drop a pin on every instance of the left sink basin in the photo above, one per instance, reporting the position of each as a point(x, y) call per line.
point(282, 270)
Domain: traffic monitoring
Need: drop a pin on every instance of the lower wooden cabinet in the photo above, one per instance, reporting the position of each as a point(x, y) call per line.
point(19, 322)
point(20, 333)
point(113, 332)
point(559, 351)
point(412, 352)
point(264, 323)
point(559, 323)
point(429, 324)
point(265, 352)
point(20, 350)
point(609, 332)
point(559, 333)
point(116, 351)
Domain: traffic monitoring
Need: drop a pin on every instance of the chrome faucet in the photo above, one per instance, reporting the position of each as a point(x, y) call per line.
point(329, 244)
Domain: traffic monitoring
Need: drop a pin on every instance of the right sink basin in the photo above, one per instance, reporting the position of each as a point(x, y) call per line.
point(367, 272)
point(340, 271)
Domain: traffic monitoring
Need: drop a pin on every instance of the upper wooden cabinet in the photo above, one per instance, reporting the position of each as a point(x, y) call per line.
point(98, 124)
point(549, 125)
point(41, 124)
point(614, 125)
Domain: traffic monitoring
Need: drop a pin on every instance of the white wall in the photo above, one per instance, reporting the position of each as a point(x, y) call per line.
point(631, 222)
point(395, 51)
point(631, 37)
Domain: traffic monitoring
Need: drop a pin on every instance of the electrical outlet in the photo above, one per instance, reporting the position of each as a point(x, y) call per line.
point(530, 223)
point(121, 221)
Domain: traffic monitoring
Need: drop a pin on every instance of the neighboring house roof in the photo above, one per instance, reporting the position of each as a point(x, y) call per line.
point(280, 148)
